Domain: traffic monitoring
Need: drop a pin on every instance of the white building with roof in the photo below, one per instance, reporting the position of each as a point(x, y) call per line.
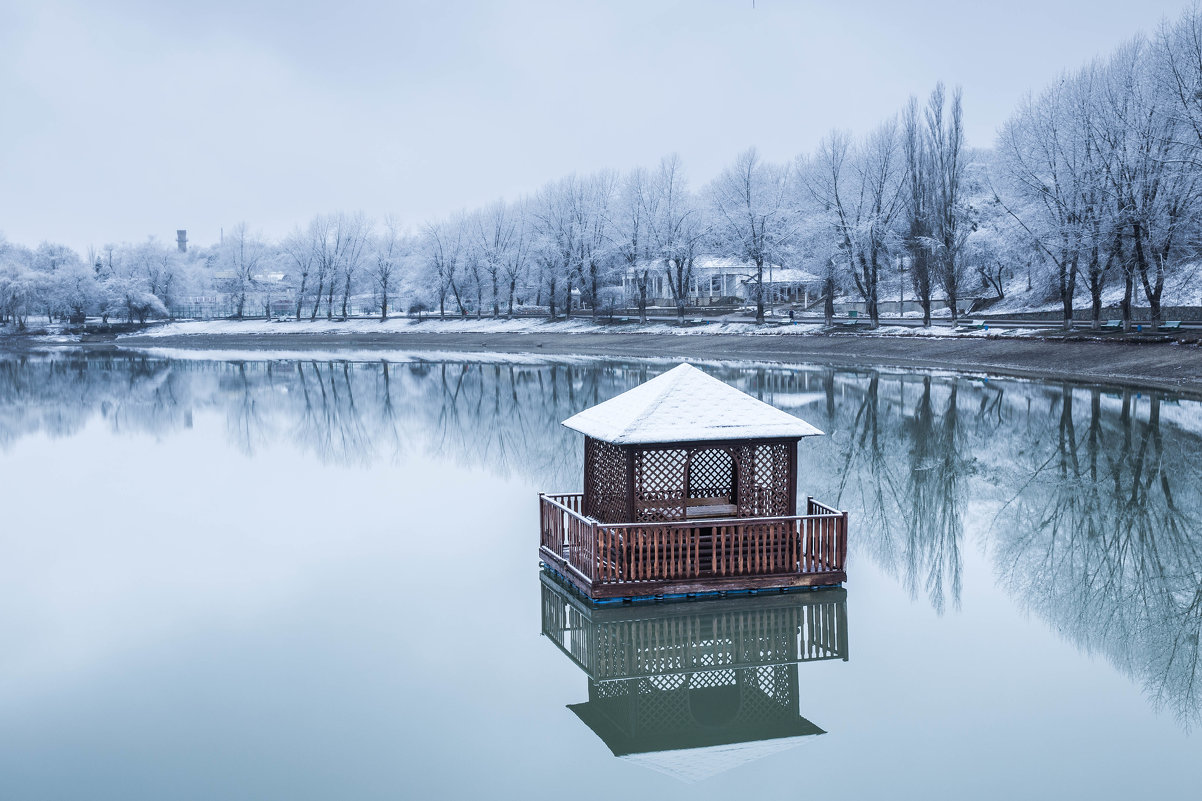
point(720, 280)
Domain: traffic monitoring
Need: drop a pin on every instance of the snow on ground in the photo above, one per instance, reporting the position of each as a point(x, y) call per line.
point(364, 355)
point(529, 326)
point(911, 331)
point(1181, 288)
point(523, 325)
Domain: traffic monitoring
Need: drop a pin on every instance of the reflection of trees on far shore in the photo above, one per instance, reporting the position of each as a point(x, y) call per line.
point(1105, 542)
point(901, 463)
point(1087, 501)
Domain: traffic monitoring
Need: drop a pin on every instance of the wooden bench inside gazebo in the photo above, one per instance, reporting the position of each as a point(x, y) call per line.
point(690, 486)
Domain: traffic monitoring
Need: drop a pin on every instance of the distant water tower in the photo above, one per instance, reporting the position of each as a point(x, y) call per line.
point(181, 240)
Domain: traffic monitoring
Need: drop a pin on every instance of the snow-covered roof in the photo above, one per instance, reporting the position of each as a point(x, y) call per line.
point(704, 266)
point(683, 405)
point(789, 275)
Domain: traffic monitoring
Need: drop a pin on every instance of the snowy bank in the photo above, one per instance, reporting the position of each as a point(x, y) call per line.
point(533, 326)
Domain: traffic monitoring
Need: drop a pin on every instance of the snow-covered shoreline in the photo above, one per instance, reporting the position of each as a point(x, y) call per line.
point(401, 325)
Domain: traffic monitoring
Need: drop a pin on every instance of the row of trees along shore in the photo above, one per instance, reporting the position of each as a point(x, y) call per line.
point(1093, 185)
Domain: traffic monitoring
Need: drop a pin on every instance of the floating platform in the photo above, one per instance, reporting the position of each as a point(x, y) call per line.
point(629, 561)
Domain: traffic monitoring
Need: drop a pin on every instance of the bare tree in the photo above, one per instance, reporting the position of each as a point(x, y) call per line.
point(298, 249)
point(325, 259)
point(918, 202)
point(516, 251)
point(859, 190)
point(497, 232)
point(949, 226)
point(632, 232)
point(443, 246)
point(241, 255)
point(351, 234)
point(386, 257)
point(592, 205)
point(676, 228)
point(555, 220)
point(1157, 183)
point(752, 214)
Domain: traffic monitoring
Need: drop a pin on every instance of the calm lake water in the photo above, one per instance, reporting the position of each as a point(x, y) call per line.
point(317, 579)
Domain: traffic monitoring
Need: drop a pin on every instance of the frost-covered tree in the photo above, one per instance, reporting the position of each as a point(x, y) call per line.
point(351, 235)
point(634, 206)
point(677, 227)
point(751, 214)
point(948, 212)
point(595, 247)
point(500, 242)
point(387, 249)
point(126, 296)
point(240, 257)
point(299, 256)
point(857, 191)
point(18, 288)
point(1045, 154)
point(1154, 180)
point(918, 203)
point(557, 247)
point(443, 248)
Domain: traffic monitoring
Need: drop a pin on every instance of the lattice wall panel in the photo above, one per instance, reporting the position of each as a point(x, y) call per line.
point(606, 482)
point(711, 473)
point(659, 477)
point(764, 479)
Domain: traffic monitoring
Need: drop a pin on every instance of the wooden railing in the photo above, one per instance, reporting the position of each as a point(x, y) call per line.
point(692, 550)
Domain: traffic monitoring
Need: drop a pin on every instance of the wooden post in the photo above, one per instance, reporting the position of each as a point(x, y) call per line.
point(793, 478)
point(843, 542)
point(631, 510)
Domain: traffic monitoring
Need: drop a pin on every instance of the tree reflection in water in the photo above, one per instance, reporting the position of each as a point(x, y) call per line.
point(1086, 500)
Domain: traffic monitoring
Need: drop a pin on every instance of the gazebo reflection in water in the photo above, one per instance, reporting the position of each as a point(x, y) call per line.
point(694, 689)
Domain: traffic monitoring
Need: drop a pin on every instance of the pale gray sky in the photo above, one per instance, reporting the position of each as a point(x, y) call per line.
point(131, 118)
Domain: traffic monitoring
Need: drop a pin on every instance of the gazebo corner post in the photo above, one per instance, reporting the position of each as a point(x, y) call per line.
point(843, 542)
point(587, 506)
point(792, 480)
point(545, 526)
point(631, 510)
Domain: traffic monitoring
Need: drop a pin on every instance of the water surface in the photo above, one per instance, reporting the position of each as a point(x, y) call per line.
point(294, 579)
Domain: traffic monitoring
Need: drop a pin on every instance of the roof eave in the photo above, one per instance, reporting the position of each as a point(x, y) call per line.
point(624, 439)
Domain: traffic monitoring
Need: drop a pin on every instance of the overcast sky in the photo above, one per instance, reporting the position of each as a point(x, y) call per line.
point(125, 119)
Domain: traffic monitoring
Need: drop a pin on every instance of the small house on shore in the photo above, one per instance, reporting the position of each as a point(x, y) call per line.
point(690, 486)
point(718, 281)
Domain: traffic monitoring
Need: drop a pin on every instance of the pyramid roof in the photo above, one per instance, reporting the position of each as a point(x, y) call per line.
point(685, 405)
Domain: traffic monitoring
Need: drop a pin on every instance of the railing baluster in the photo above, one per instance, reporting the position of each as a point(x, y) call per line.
point(814, 542)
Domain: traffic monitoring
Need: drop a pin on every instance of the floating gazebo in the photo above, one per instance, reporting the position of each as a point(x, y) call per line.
point(690, 486)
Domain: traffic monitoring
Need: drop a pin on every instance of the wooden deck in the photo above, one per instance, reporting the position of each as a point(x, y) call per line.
point(697, 555)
